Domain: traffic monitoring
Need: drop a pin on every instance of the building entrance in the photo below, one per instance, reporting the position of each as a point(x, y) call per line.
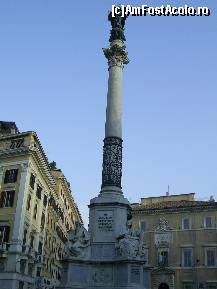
point(163, 286)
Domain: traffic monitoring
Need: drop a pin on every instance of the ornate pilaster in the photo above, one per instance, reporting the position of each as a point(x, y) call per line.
point(21, 204)
point(112, 151)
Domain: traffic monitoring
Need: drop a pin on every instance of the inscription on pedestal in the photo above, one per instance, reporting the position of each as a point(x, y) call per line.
point(105, 221)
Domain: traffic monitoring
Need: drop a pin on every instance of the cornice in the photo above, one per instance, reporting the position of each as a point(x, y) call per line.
point(17, 135)
point(41, 160)
point(151, 211)
point(37, 155)
point(69, 195)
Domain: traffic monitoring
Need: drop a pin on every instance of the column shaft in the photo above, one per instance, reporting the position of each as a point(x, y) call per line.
point(113, 126)
point(112, 150)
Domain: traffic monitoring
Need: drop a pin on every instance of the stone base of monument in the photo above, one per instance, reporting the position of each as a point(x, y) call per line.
point(117, 274)
point(110, 255)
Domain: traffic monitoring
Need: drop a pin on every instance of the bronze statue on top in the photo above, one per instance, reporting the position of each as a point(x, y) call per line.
point(118, 23)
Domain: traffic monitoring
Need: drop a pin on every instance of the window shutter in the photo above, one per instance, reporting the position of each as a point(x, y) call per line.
point(6, 177)
point(15, 173)
point(6, 234)
point(2, 198)
point(11, 198)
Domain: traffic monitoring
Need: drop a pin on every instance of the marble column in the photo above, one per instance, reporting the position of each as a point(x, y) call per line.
point(112, 150)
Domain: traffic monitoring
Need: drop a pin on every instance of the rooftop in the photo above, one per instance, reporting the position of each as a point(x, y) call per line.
point(171, 202)
point(7, 128)
point(167, 198)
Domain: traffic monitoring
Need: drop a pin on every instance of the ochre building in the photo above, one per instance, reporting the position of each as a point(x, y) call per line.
point(36, 212)
point(180, 234)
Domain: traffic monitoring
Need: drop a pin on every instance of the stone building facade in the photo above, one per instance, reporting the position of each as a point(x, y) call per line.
point(180, 234)
point(36, 212)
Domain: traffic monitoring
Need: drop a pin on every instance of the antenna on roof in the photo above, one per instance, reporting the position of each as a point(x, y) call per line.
point(168, 191)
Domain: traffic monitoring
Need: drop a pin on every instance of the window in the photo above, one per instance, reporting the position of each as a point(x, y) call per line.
point(163, 257)
point(4, 234)
point(7, 199)
point(208, 222)
point(30, 269)
point(40, 245)
point(60, 234)
point(187, 257)
point(28, 204)
point(32, 238)
point(142, 226)
point(45, 201)
point(38, 273)
point(11, 176)
point(22, 266)
point(24, 236)
point(210, 256)
point(16, 143)
point(35, 211)
point(38, 192)
point(32, 181)
point(185, 224)
point(42, 220)
point(59, 276)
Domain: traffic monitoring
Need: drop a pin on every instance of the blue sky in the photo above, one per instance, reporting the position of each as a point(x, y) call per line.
point(53, 80)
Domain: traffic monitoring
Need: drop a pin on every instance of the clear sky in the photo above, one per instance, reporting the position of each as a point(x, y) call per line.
point(53, 80)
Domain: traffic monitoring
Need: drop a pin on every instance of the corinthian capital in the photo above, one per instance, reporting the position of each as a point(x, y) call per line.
point(24, 166)
point(116, 55)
